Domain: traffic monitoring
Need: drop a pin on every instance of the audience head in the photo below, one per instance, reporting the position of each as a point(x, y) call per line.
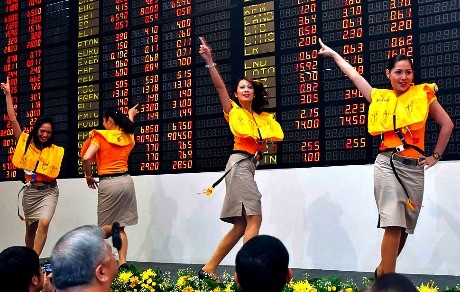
point(20, 270)
point(82, 258)
point(393, 283)
point(262, 265)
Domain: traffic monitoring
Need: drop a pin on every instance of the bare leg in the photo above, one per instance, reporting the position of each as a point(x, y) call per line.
point(107, 230)
point(42, 234)
point(393, 242)
point(124, 247)
point(252, 227)
point(402, 241)
point(124, 242)
point(31, 231)
point(226, 244)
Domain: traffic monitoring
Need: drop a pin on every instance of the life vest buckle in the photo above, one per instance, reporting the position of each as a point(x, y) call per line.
point(400, 148)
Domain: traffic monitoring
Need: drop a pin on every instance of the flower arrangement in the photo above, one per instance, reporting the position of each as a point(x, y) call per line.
point(136, 280)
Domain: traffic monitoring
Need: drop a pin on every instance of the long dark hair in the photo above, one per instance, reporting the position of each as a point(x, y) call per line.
point(34, 134)
point(395, 59)
point(260, 100)
point(125, 124)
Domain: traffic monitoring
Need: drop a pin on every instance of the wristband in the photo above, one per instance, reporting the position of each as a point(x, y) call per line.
point(210, 66)
point(88, 176)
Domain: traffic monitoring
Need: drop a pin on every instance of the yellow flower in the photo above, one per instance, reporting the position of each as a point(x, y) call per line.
point(181, 281)
point(147, 274)
point(301, 286)
point(430, 287)
point(228, 288)
point(134, 282)
point(217, 289)
point(334, 288)
point(349, 290)
point(124, 277)
point(187, 289)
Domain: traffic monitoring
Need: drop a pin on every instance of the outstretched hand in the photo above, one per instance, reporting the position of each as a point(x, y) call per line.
point(6, 86)
point(205, 50)
point(132, 112)
point(325, 50)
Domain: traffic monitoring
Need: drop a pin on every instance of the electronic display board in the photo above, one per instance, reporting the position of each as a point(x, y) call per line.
point(73, 60)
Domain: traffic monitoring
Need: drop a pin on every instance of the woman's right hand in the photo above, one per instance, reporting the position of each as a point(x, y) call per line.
point(325, 50)
point(92, 183)
point(206, 51)
point(6, 86)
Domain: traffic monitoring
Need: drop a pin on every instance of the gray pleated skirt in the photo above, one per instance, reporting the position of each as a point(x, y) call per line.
point(117, 201)
point(241, 189)
point(39, 204)
point(390, 196)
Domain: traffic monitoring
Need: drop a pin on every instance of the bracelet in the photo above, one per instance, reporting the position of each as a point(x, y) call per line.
point(88, 176)
point(210, 66)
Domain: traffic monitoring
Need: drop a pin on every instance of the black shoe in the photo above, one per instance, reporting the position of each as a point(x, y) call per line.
point(202, 274)
point(116, 239)
point(123, 267)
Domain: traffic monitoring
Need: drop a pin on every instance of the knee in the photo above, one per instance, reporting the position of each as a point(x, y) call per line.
point(44, 224)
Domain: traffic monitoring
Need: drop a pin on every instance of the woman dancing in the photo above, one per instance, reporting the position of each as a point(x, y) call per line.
point(117, 204)
point(251, 127)
point(398, 115)
point(41, 160)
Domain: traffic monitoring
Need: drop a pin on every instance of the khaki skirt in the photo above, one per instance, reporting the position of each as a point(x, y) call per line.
point(242, 191)
point(390, 196)
point(117, 201)
point(39, 203)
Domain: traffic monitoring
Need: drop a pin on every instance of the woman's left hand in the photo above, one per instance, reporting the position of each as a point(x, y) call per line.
point(132, 112)
point(426, 161)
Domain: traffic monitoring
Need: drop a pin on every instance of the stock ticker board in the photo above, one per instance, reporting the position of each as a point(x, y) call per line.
point(73, 59)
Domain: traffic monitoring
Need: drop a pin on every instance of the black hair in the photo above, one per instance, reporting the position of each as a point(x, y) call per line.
point(262, 264)
point(125, 124)
point(393, 282)
point(395, 59)
point(18, 264)
point(34, 134)
point(260, 100)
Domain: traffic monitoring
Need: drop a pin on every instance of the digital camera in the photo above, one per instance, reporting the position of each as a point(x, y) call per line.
point(47, 267)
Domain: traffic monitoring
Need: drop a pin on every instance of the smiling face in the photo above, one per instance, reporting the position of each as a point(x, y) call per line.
point(245, 93)
point(401, 76)
point(44, 132)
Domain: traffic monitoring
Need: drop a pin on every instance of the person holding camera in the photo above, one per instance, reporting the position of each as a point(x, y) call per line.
point(83, 261)
point(20, 271)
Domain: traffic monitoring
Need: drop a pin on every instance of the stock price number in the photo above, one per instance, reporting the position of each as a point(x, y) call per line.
point(312, 149)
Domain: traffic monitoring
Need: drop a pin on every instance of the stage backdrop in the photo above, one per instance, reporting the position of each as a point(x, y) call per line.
point(325, 216)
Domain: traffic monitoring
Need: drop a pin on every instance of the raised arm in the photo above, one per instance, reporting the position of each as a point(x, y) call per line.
point(206, 53)
point(10, 108)
point(363, 86)
point(132, 112)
